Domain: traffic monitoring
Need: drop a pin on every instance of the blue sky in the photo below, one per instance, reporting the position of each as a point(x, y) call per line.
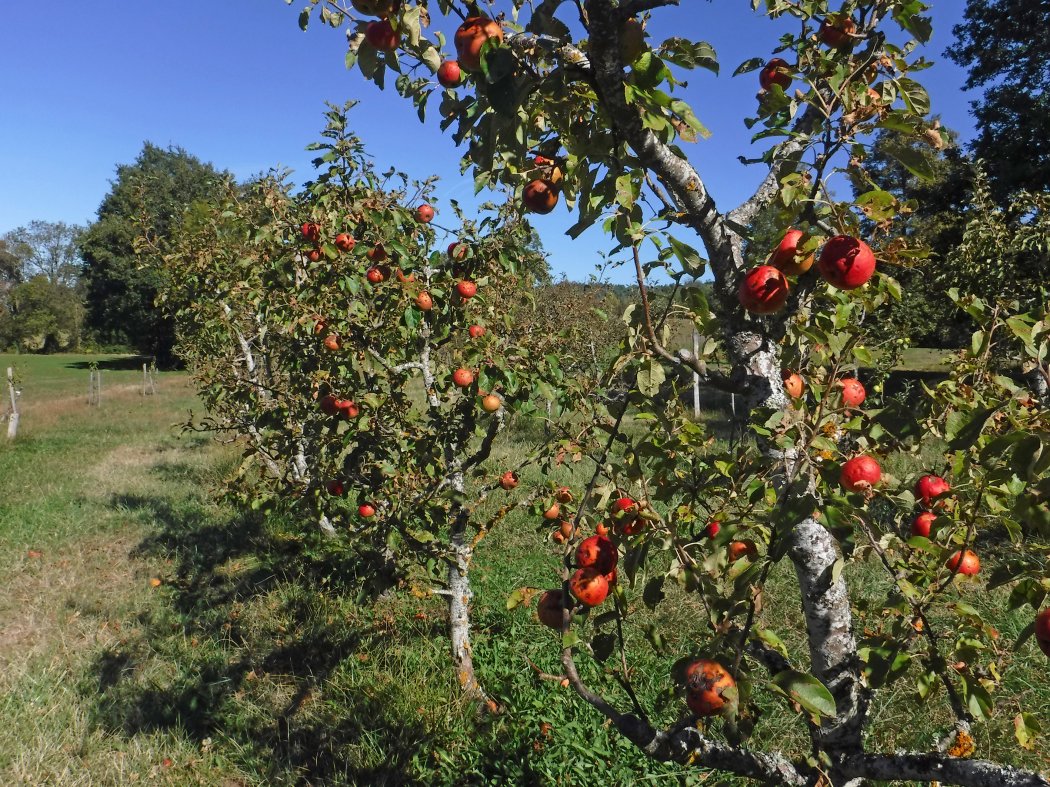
point(236, 83)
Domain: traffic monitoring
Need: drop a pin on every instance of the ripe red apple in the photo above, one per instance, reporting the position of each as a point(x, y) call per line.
point(376, 274)
point(785, 255)
point(424, 214)
point(311, 231)
point(589, 586)
point(743, 548)
point(552, 512)
point(846, 262)
point(348, 407)
point(964, 562)
point(366, 510)
point(567, 529)
point(549, 608)
point(377, 253)
point(329, 404)
point(775, 72)
point(706, 682)
point(344, 241)
point(335, 488)
point(853, 393)
point(457, 250)
point(860, 473)
point(466, 289)
point(923, 524)
point(424, 301)
point(540, 195)
point(558, 537)
point(471, 37)
point(382, 36)
point(624, 508)
point(836, 30)
point(491, 403)
point(930, 487)
point(508, 480)
point(476, 331)
point(314, 255)
point(597, 552)
point(712, 528)
point(450, 74)
point(462, 377)
point(763, 290)
point(331, 342)
point(1042, 630)
point(793, 384)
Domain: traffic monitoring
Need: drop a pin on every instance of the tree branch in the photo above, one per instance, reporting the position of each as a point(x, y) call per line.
point(924, 767)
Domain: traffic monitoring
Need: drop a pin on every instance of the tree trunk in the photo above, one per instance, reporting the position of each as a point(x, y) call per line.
point(459, 597)
point(12, 419)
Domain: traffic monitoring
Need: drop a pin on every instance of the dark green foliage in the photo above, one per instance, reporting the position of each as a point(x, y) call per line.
point(148, 199)
point(1005, 47)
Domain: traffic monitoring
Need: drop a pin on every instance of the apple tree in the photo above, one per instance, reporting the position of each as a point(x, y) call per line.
point(572, 103)
point(363, 353)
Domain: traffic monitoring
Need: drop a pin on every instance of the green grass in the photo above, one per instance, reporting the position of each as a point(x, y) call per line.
point(253, 663)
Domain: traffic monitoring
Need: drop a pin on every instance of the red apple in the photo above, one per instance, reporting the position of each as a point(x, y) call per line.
point(466, 289)
point(314, 255)
point(476, 331)
point(846, 262)
point(853, 393)
point(462, 377)
point(930, 487)
point(964, 562)
point(376, 275)
point(377, 253)
point(553, 512)
point(563, 494)
point(589, 586)
point(335, 488)
point(471, 37)
point(508, 480)
point(763, 290)
point(775, 72)
point(424, 214)
point(491, 403)
point(331, 342)
point(712, 528)
point(1042, 630)
point(785, 256)
point(424, 301)
point(366, 510)
point(744, 548)
point(457, 250)
point(836, 30)
point(632, 40)
point(311, 231)
point(382, 36)
point(597, 552)
point(344, 241)
point(540, 195)
point(706, 683)
point(550, 608)
point(329, 404)
point(923, 524)
point(450, 74)
point(860, 473)
point(348, 407)
point(793, 384)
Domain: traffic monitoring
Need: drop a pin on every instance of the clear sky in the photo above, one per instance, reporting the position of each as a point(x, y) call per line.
point(236, 83)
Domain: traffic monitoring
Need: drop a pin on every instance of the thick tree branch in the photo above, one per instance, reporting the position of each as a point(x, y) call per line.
point(938, 767)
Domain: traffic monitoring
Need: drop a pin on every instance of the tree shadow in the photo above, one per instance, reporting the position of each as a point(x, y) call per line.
point(124, 363)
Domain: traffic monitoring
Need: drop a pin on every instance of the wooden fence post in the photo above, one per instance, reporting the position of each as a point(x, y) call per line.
point(12, 420)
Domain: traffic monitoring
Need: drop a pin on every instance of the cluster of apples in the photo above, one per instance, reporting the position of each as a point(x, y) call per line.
point(844, 262)
point(931, 494)
point(836, 31)
point(851, 390)
point(595, 575)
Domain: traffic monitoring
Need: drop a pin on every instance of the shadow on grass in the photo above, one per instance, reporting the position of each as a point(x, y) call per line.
point(125, 363)
point(198, 665)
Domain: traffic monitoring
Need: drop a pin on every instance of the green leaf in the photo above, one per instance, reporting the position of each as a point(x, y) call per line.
point(807, 691)
point(963, 428)
point(916, 161)
point(651, 376)
point(1026, 729)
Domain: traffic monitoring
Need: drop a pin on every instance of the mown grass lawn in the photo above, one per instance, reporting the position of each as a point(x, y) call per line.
point(253, 662)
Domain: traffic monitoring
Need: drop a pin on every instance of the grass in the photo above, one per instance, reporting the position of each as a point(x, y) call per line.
point(252, 662)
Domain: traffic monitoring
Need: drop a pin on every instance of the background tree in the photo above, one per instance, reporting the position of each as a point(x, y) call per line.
point(932, 200)
point(122, 284)
point(1001, 43)
point(41, 295)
